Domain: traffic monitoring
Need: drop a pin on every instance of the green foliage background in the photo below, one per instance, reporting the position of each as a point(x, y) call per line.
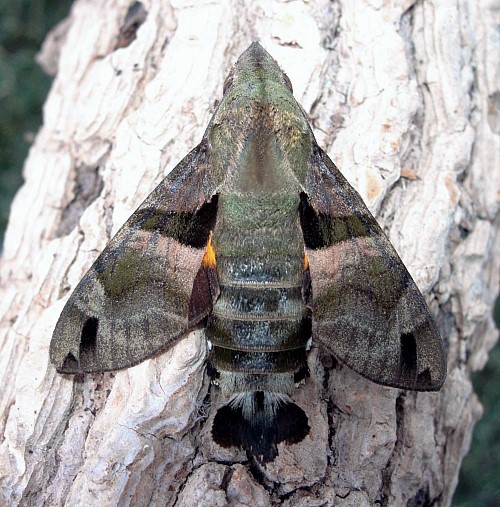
point(23, 88)
point(479, 481)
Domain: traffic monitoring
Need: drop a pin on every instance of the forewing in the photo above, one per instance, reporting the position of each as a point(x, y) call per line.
point(366, 308)
point(136, 299)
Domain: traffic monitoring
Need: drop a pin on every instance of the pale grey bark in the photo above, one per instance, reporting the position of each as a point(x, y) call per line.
point(392, 88)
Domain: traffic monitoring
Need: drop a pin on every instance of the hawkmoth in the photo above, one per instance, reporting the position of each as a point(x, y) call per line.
point(257, 237)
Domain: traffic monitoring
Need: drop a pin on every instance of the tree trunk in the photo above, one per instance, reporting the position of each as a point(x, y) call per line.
point(402, 95)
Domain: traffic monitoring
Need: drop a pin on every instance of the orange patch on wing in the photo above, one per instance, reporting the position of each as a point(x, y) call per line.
point(306, 262)
point(209, 257)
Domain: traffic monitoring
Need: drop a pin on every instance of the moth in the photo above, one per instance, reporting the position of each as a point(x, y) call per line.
point(256, 237)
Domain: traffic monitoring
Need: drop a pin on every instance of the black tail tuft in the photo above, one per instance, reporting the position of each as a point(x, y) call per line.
point(258, 422)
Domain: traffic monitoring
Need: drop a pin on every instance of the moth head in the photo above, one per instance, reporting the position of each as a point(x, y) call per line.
point(255, 66)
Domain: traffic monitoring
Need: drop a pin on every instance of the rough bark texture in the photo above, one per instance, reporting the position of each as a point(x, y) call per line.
point(393, 89)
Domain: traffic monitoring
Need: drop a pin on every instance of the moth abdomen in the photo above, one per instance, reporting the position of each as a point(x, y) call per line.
point(259, 335)
point(257, 362)
point(259, 325)
point(260, 302)
point(259, 330)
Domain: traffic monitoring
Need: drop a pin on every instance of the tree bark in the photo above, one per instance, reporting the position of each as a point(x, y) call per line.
point(404, 97)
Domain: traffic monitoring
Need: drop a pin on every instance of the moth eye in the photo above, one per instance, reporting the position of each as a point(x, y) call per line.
point(88, 339)
point(227, 84)
point(288, 82)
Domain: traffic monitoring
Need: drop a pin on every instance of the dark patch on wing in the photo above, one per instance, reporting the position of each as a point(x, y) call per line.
point(424, 378)
point(88, 340)
point(70, 364)
point(408, 355)
point(321, 230)
point(188, 228)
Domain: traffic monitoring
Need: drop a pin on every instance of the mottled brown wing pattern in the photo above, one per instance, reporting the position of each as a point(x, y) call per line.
point(367, 310)
point(135, 300)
